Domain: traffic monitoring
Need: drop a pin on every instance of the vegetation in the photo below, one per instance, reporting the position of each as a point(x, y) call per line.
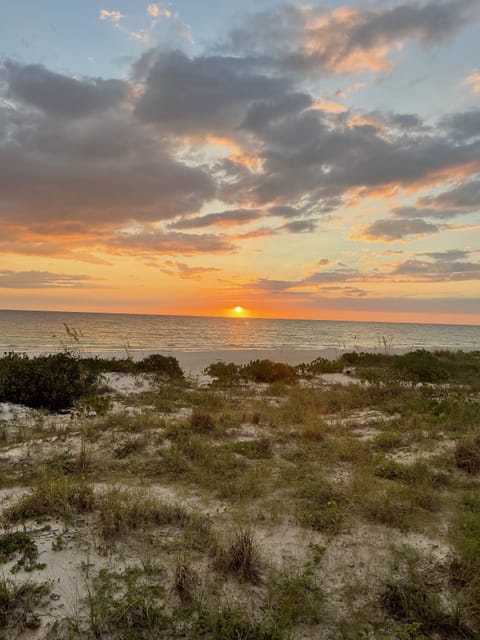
point(270, 504)
point(53, 382)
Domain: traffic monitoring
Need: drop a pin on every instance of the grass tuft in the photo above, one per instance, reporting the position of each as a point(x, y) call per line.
point(240, 558)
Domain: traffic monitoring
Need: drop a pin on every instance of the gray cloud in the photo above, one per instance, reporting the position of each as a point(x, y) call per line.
point(390, 229)
point(316, 40)
point(464, 198)
point(223, 218)
point(463, 126)
point(42, 280)
point(184, 271)
point(154, 241)
point(208, 94)
point(449, 255)
point(438, 271)
point(59, 95)
point(97, 173)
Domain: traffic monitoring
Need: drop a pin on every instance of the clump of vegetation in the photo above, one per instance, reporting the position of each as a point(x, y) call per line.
point(268, 371)
point(241, 558)
point(228, 624)
point(20, 542)
point(254, 371)
point(467, 452)
point(156, 363)
point(53, 496)
point(295, 599)
point(122, 511)
point(185, 582)
point(202, 421)
point(225, 374)
point(319, 366)
point(127, 605)
point(254, 449)
point(53, 382)
point(321, 506)
point(128, 447)
point(18, 603)
point(412, 600)
point(465, 570)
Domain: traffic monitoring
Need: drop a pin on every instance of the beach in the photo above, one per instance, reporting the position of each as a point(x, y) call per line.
point(260, 498)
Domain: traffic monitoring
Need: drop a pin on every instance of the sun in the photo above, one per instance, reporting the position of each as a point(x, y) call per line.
point(238, 309)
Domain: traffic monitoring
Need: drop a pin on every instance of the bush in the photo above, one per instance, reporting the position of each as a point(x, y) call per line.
point(53, 382)
point(420, 366)
point(225, 374)
point(268, 371)
point(467, 453)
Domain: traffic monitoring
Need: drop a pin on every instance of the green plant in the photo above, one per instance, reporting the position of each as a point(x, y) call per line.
point(228, 624)
point(54, 496)
point(268, 371)
point(20, 542)
point(53, 382)
point(321, 506)
point(18, 602)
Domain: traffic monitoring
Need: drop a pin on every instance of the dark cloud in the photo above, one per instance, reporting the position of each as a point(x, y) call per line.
point(59, 95)
point(439, 270)
point(307, 156)
point(99, 172)
point(313, 39)
point(42, 280)
point(463, 126)
point(300, 226)
point(464, 198)
point(222, 218)
point(209, 94)
point(448, 255)
point(390, 229)
point(154, 241)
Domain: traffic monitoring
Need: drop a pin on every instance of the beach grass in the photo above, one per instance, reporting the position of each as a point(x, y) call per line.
point(259, 501)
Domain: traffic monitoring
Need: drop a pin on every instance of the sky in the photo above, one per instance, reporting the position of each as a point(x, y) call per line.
point(296, 160)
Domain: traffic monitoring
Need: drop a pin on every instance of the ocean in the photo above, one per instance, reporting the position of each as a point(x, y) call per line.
point(89, 333)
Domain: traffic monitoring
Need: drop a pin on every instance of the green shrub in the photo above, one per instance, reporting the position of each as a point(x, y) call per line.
point(233, 625)
point(225, 373)
point(268, 371)
point(53, 382)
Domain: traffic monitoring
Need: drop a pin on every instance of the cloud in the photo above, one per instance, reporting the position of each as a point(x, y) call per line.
point(99, 172)
point(111, 16)
point(59, 95)
point(150, 241)
point(184, 271)
point(157, 11)
point(391, 230)
point(42, 280)
point(443, 270)
point(448, 255)
point(200, 95)
point(224, 218)
point(305, 38)
point(464, 198)
point(464, 125)
point(474, 81)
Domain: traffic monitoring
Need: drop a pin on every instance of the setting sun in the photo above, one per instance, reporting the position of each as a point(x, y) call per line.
point(238, 309)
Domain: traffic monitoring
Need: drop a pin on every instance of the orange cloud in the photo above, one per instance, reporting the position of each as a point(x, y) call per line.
point(474, 81)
